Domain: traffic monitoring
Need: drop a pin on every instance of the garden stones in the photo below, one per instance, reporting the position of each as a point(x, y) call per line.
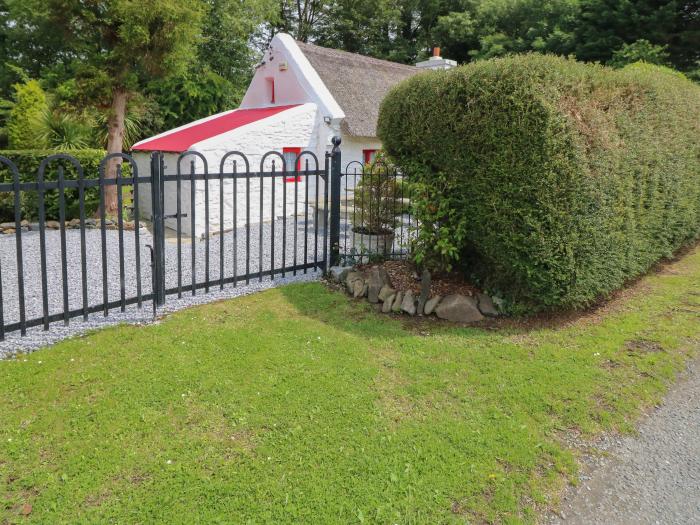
point(459, 309)
point(408, 304)
point(386, 293)
point(398, 301)
point(486, 306)
point(388, 302)
point(431, 304)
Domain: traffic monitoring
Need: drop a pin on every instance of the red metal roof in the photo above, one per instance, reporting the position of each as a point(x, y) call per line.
point(182, 139)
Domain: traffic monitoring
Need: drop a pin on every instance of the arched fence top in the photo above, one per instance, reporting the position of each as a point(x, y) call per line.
point(191, 153)
point(12, 167)
point(309, 154)
point(232, 154)
point(354, 164)
point(123, 156)
point(60, 156)
point(273, 154)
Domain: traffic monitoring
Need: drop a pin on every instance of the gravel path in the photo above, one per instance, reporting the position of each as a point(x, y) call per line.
point(653, 478)
point(36, 337)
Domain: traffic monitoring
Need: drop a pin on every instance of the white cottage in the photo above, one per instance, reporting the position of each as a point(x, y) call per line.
point(299, 98)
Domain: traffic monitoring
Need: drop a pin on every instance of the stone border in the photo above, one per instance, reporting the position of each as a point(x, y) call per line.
point(375, 285)
point(8, 228)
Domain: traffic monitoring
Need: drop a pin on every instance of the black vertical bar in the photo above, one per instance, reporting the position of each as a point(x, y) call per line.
point(325, 210)
point(345, 236)
point(306, 213)
point(296, 210)
point(354, 203)
point(221, 229)
point(235, 224)
point(247, 227)
point(137, 234)
point(62, 228)
point(83, 243)
point(20, 255)
point(158, 228)
point(260, 227)
point(206, 229)
point(178, 219)
point(192, 224)
point(272, 222)
point(42, 247)
point(284, 217)
point(334, 180)
point(103, 237)
point(120, 226)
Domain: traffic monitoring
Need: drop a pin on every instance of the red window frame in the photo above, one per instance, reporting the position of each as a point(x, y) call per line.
point(367, 155)
point(271, 88)
point(297, 152)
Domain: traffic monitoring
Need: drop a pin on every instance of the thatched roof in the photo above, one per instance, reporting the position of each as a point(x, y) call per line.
point(358, 84)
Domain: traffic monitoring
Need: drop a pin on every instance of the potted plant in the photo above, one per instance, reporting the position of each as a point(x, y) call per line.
point(376, 205)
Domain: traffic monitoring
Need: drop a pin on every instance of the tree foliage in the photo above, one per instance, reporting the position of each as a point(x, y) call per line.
point(24, 121)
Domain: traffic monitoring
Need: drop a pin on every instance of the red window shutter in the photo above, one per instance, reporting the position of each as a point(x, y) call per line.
point(369, 155)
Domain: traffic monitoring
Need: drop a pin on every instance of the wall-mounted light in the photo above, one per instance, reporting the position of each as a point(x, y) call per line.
point(327, 120)
point(282, 66)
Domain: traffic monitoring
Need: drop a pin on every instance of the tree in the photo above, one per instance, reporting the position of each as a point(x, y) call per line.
point(24, 121)
point(640, 51)
point(114, 48)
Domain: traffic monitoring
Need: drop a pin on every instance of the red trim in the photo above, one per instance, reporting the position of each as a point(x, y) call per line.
point(181, 140)
point(297, 152)
point(271, 83)
point(367, 155)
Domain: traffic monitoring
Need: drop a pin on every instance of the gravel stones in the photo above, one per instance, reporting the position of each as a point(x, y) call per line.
point(459, 309)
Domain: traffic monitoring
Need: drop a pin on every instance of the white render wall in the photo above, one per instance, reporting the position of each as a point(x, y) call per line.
point(297, 127)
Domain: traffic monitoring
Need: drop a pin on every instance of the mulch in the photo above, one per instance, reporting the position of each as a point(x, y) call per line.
point(405, 277)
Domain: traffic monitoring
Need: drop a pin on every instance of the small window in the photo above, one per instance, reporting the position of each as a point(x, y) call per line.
point(369, 155)
point(292, 162)
point(270, 89)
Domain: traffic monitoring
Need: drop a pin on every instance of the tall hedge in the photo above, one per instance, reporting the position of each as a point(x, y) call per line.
point(27, 162)
point(550, 181)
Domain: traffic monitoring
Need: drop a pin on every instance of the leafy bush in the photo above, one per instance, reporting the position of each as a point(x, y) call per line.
point(24, 121)
point(28, 162)
point(552, 182)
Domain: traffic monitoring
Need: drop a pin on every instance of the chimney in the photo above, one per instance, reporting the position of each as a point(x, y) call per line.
point(436, 61)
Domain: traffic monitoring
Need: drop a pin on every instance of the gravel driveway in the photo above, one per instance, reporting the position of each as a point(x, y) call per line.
point(36, 337)
point(652, 478)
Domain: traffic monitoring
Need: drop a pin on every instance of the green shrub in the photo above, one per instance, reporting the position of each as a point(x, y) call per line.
point(24, 121)
point(28, 162)
point(550, 181)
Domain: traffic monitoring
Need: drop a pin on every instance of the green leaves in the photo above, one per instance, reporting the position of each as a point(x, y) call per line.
point(549, 182)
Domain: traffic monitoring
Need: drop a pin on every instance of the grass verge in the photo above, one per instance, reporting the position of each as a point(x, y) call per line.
point(296, 405)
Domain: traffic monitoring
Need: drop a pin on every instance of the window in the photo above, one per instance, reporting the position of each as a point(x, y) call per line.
point(270, 89)
point(369, 155)
point(290, 158)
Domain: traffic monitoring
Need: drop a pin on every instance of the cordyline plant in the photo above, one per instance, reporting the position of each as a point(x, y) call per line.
point(377, 201)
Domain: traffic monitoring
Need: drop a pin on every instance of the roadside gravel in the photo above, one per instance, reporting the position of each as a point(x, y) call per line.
point(651, 478)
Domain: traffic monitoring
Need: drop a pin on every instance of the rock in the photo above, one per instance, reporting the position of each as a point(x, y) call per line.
point(74, 223)
point(486, 306)
point(339, 273)
point(6, 225)
point(90, 222)
point(424, 291)
point(359, 288)
point(386, 292)
point(54, 225)
point(396, 305)
point(34, 226)
point(8, 231)
point(350, 280)
point(408, 304)
point(459, 309)
point(388, 302)
point(431, 304)
point(25, 222)
point(384, 276)
point(374, 285)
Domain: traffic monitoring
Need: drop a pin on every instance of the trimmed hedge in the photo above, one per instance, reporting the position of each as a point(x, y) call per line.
point(550, 181)
point(28, 162)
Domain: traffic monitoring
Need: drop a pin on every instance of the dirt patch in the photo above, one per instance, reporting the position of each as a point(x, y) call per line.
point(642, 346)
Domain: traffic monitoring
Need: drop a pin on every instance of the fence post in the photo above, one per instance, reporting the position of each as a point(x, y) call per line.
point(334, 216)
point(157, 201)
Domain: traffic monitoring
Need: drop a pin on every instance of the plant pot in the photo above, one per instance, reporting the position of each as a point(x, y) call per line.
point(370, 243)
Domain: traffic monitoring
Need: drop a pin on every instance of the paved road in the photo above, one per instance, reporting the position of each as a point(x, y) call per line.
point(652, 478)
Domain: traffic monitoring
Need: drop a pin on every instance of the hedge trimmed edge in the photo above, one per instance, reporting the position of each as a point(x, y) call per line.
point(551, 182)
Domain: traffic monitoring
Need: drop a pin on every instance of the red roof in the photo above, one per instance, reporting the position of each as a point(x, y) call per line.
point(181, 140)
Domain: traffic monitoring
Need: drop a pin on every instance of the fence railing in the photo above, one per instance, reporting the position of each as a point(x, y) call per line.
point(179, 226)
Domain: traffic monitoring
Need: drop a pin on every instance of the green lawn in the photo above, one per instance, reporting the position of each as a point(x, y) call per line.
point(297, 405)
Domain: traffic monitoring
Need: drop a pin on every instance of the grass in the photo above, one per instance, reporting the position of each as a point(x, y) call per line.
point(296, 405)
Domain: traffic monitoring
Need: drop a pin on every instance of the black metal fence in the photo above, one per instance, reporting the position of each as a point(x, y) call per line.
point(185, 226)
